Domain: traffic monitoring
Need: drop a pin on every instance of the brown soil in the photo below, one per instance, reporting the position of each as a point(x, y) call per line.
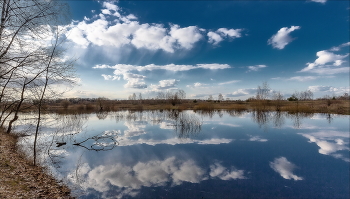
point(20, 179)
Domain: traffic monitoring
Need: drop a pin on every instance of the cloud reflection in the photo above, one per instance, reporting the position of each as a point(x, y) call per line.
point(172, 141)
point(330, 142)
point(284, 168)
point(257, 139)
point(128, 179)
point(219, 171)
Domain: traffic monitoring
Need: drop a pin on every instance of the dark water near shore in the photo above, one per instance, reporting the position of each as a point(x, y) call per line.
point(160, 154)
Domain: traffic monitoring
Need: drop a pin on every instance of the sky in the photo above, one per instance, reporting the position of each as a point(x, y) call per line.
point(209, 47)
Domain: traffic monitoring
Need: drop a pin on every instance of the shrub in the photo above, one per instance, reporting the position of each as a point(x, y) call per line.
point(65, 104)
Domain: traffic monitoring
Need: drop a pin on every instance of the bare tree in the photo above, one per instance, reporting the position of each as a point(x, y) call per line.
point(56, 71)
point(140, 98)
point(220, 97)
point(30, 55)
point(306, 95)
point(24, 29)
point(278, 99)
point(175, 97)
point(263, 91)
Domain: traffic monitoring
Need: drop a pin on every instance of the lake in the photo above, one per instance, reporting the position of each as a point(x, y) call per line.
point(214, 154)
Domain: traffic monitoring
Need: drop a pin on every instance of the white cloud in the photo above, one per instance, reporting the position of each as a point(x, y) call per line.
point(137, 81)
point(153, 37)
point(229, 82)
point(113, 28)
point(320, 88)
point(284, 168)
point(320, 1)
point(337, 48)
point(134, 81)
point(256, 67)
point(242, 92)
point(335, 90)
point(122, 68)
point(326, 57)
point(196, 85)
point(110, 6)
point(110, 77)
point(304, 78)
point(232, 33)
point(164, 84)
point(124, 30)
point(168, 83)
point(282, 38)
point(214, 38)
point(186, 37)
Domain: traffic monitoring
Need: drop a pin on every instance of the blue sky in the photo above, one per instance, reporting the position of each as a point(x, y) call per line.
point(209, 47)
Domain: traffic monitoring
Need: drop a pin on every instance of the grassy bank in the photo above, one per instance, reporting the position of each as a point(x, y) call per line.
point(20, 179)
point(312, 106)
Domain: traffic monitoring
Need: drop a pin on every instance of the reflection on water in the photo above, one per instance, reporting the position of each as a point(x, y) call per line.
point(209, 154)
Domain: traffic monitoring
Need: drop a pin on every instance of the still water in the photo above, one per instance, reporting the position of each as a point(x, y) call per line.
point(161, 154)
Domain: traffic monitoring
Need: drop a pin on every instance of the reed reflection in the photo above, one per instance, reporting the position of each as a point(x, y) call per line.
point(184, 124)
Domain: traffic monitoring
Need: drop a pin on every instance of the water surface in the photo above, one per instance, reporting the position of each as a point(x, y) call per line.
point(161, 154)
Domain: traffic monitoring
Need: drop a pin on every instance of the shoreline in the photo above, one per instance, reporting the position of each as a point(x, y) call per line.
point(20, 179)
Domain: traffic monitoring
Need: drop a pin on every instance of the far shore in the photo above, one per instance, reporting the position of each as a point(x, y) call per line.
point(331, 106)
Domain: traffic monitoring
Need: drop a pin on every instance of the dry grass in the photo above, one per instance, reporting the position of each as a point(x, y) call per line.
point(20, 179)
point(314, 106)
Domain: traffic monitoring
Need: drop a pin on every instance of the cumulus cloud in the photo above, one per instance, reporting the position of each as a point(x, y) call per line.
point(137, 81)
point(216, 37)
point(335, 90)
point(122, 68)
point(110, 77)
point(327, 63)
point(186, 37)
point(164, 84)
point(256, 67)
point(113, 28)
point(233, 33)
point(282, 37)
point(134, 81)
point(284, 168)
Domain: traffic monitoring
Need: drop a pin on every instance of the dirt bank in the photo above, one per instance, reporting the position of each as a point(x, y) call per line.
point(20, 179)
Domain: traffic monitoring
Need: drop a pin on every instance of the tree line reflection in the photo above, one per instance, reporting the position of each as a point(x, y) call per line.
point(64, 131)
